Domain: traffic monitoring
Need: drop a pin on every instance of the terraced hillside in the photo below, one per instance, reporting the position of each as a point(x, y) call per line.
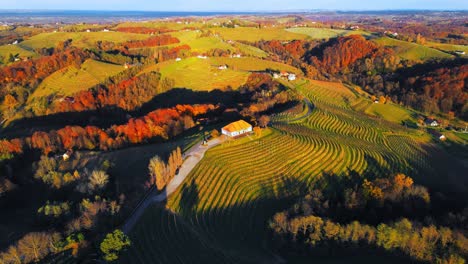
point(220, 213)
point(325, 33)
point(71, 80)
point(204, 74)
point(80, 39)
point(412, 51)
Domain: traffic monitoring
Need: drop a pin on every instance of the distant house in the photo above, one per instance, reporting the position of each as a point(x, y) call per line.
point(284, 74)
point(460, 52)
point(66, 156)
point(105, 30)
point(69, 99)
point(88, 30)
point(276, 75)
point(178, 59)
point(236, 128)
point(292, 77)
point(431, 122)
point(202, 57)
point(236, 55)
point(442, 138)
point(222, 67)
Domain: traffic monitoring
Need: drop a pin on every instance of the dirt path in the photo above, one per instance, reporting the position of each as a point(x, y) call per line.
point(191, 159)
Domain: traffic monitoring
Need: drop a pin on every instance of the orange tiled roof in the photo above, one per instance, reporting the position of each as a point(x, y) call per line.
point(237, 126)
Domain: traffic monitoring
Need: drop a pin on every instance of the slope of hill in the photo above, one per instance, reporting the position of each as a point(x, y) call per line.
point(325, 33)
point(80, 39)
point(252, 34)
point(6, 50)
point(204, 74)
point(412, 51)
point(220, 214)
point(71, 80)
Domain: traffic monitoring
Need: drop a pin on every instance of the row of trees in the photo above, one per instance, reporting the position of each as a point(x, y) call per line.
point(161, 172)
point(32, 72)
point(352, 212)
point(127, 94)
point(423, 243)
point(154, 41)
point(161, 123)
point(31, 248)
point(430, 87)
point(144, 30)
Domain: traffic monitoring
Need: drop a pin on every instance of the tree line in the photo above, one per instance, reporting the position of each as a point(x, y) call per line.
point(352, 212)
point(161, 172)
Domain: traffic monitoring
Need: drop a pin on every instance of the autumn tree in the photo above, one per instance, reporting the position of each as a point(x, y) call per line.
point(214, 133)
point(158, 172)
point(113, 244)
point(258, 131)
point(263, 121)
point(98, 180)
point(34, 246)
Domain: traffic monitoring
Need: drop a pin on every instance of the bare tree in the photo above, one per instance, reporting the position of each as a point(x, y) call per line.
point(179, 157)
point(11, 256)
point(36, 245)
point(98, 180)
point(263, 121)
point(157, 170)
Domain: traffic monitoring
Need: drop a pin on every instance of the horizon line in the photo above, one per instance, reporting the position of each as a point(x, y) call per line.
point(235, 11)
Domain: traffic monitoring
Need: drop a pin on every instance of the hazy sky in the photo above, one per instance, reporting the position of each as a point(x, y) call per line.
point(229, 5)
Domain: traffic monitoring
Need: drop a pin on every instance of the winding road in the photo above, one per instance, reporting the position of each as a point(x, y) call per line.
point(191, 159)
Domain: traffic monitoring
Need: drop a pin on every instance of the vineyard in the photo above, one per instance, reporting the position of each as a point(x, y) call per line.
point(71, 80)
point(255, 34)
point(220, 214)
point(412, 51)
point(80, 39)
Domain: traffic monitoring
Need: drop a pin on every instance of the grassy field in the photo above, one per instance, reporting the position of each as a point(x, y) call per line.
point(412, 51)
point(80, 39)
point(71, 80)
point(6, 50)
point(205, 44)
point(319, 33)
point(220, 213)
point(253, 64)
point(250, 50)
point(389, 111)
point(203, 74)
point(199, 74)
point(326, 33)
point(255, 34)
point(447, 47)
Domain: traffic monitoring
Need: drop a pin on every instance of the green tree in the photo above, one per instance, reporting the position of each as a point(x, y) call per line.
point(113, 244)
point(11, 58)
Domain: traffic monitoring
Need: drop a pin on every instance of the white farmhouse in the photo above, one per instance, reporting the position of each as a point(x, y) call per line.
point(236, 128)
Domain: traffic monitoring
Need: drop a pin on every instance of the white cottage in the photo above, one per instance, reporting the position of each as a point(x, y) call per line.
point(236, 128)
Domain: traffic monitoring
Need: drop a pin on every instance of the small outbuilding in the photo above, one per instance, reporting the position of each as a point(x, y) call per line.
point(236, 129)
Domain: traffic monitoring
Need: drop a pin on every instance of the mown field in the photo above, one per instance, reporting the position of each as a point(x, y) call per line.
point(6, 50)
point(412, 51)
point(255, 34)
point(390, 112)
point(199, 74)
point(319, 33)
point(204, 44)
point(71, 80)
point(203, 74)
point(220, 213)
point(447, 47)
point(80, 39)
